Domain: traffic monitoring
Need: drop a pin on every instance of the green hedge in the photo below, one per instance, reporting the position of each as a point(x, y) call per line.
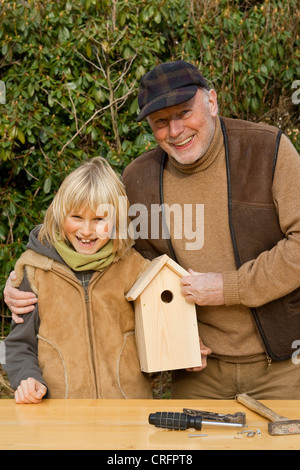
point(71, 70)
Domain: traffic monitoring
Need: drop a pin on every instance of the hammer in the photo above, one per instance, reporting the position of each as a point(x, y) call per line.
point(279, 425)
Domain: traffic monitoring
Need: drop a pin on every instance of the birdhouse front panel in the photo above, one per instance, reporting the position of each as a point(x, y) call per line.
point(166, 325)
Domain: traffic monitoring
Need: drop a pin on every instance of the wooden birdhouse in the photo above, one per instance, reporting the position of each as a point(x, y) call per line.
point(166, 324)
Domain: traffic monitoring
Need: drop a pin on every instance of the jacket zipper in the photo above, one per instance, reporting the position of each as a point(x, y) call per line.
point(87, 304)
point(269, 361)
point(92, 349)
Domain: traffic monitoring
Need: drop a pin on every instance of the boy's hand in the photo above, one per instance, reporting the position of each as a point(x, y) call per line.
point(30, 391)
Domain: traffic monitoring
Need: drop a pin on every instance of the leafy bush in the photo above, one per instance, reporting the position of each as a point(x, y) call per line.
point(71, 70)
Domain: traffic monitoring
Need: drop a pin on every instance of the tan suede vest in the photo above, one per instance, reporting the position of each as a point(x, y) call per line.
point(251, 153)
point(86, 346)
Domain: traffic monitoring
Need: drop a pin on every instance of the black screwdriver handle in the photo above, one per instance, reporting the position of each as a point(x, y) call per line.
point(173, 420)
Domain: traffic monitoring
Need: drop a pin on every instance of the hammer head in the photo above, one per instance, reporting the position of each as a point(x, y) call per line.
point(282, 428)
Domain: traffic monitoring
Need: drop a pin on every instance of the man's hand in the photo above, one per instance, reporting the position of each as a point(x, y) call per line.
point(205, 351)
point(18, 302)
point(203, 288)
point(30, 391)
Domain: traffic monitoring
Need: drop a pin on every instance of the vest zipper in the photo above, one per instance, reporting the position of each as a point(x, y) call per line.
point(87, 304)
point(162, 206)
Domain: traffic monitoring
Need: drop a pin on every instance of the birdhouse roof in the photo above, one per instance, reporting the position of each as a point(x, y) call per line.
point(154, 268)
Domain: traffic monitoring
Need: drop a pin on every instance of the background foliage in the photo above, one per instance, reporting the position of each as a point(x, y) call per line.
point(72, 68)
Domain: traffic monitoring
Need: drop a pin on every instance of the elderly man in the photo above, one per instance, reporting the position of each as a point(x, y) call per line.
point(245, 276)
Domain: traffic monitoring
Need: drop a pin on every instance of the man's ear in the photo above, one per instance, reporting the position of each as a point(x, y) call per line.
point(213, 103)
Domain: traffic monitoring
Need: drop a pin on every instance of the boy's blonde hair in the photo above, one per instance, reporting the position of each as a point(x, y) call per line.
point(91, 185)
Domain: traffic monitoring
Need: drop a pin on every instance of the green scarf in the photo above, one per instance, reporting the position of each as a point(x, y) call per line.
point(79, 262)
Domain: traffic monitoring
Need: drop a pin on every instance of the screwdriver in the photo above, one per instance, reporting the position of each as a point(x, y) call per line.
point(181, 421)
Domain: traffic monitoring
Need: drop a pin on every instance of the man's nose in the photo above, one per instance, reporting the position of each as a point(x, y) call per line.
point(175, 127)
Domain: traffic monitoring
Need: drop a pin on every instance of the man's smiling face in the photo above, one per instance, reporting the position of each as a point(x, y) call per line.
point(185, 131)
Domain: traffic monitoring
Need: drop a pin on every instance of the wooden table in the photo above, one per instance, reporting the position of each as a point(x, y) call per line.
point(123, 425)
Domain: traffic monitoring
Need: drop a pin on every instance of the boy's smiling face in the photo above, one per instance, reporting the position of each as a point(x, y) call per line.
point(86, 231)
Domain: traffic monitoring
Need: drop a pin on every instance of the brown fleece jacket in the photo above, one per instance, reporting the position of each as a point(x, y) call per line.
point(86, 337)
point(229, 330)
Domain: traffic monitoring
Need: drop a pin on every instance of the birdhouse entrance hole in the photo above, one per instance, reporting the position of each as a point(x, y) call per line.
point(166, 296)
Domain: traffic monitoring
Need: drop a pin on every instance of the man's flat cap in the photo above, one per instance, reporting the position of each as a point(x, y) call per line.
point(167, 85)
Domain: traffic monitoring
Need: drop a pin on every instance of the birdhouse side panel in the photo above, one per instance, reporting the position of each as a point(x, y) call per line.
point(166, 326)
point(140, 335)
